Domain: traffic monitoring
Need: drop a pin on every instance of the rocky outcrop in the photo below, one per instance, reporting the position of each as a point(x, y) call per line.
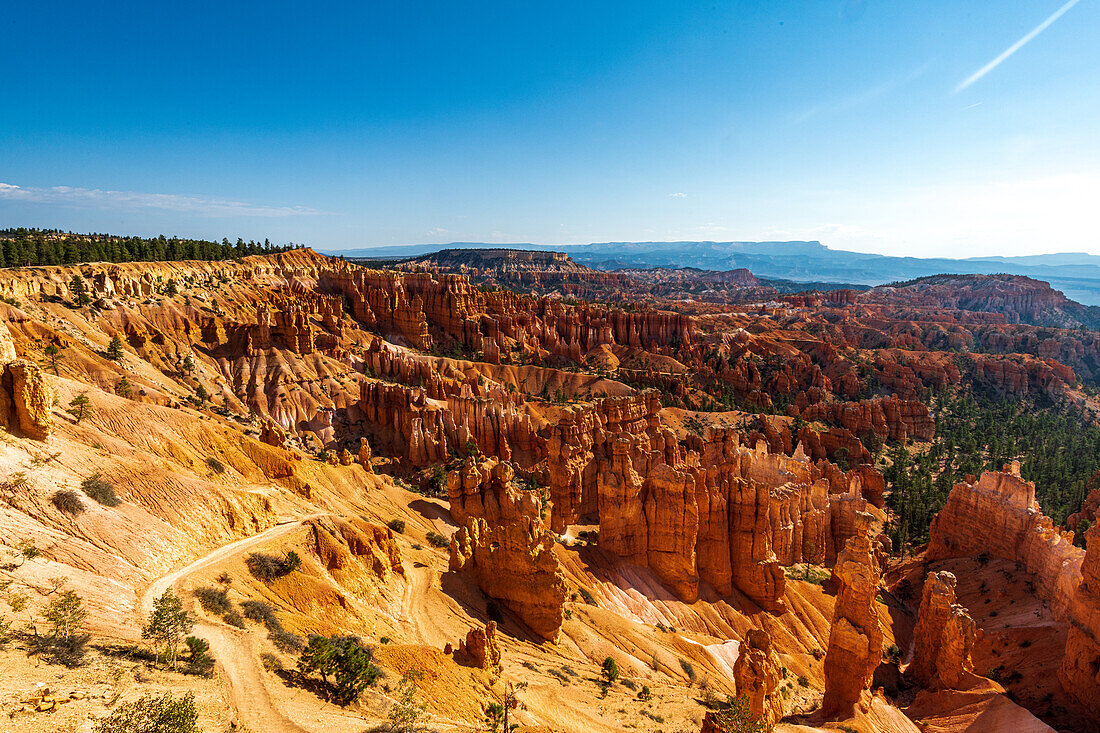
point(855, 639)
point(25, 400)
point(480, 488)
point(1080, 669)
point(997, 515)
point(943, 637)
point(513, 561)
point(757, 674)
point(404, 421)
point(481, 649)
point(887, 417)
point(354, 550)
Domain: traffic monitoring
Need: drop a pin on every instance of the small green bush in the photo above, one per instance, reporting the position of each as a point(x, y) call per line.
point(397, 525)
point(99, 489)
point(267, 567)
point(214, 600)
point(152, 714)
point(437, 540)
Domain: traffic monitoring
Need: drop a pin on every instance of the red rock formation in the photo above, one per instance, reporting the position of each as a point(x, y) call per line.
point(514, 562)
point(887, 417)
point(404, 421)
point(855, 640)
point(1080, 670)
point(345, 546)
point(943, 637)
point(998, 515)
point(25, 400)
point(757, 673)
point(481, 648)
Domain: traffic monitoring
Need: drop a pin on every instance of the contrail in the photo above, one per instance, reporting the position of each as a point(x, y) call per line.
point(1015, 46)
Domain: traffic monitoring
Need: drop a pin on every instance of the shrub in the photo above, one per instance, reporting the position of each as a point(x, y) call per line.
point(234, 618)
point(346, 660)
point(737, 718)
point(68, 501)
point(100, 489)
point(215, 465)
point(269, 567)
point(587, 596)
point(199, 661)
point(397, 525)
point(437, 540)
point(214, 600)
point(644, 694)
point(271, 662)
point(259, 612)
point(803, 681)
point(285, 641)
point(152, 714)
point(688, 669)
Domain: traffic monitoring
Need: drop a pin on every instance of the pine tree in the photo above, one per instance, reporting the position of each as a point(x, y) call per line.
point(114, 349)
point(80, 407)
point(79, 290)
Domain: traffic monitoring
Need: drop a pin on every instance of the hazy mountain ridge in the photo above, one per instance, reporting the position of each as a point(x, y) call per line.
point(1076, 274)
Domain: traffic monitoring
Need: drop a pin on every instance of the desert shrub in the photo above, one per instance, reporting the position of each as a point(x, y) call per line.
point(215, 465)
point(737, 718)
point(199, 661)
point(100, 489)
point(259, 612)
point(803, 681)
point(629, 683)
point(68, 501)
point(271, 662)
point(152, 714)
point(17, 601)
point(234, 618)
point(437, 540)
point(892, 654)
point(267, 567)
point(346, 660)
point(688, 669)
point(214, 600)
point(397, 525)
point(644, 694)
point(587, 596)
point(286, 641)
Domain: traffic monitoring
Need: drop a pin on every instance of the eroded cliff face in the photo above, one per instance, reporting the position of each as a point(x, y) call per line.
point(1080, 670)
point(855, 639)
point(25, 399)
point(513, 561)
point(998, 515)
point(943, 638)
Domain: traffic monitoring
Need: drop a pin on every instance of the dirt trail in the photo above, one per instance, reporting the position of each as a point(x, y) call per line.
point(235, 650)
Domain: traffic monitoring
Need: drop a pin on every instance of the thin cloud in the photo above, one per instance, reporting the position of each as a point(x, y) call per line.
point(1015, 46)
point(852, 101)
point(678, 195)
point(100, 199)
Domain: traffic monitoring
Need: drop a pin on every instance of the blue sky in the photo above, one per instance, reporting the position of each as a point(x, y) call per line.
point(358, 124)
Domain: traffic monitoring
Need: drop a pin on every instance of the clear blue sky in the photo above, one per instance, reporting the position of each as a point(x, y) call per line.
point(370, 123)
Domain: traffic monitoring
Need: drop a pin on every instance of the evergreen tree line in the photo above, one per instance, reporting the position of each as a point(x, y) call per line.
point(32, 247)
point(1057, 444)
